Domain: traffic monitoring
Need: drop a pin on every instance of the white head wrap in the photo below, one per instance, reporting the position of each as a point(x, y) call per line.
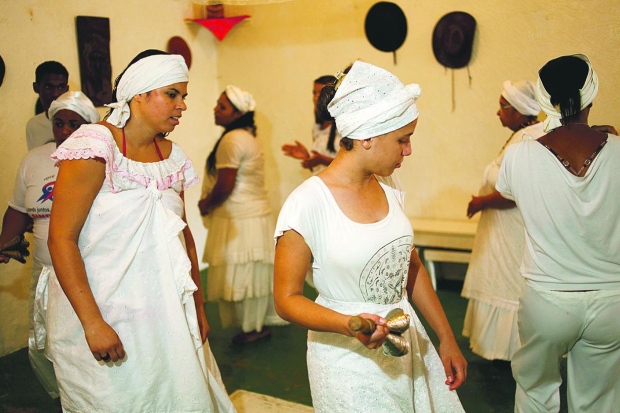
point(77, 102)
point(242, 100)
point(146, 74)
point(522, 96)
point(371, 101)
point(587, 92)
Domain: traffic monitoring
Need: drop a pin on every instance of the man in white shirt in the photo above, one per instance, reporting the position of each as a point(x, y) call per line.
point(51, 81)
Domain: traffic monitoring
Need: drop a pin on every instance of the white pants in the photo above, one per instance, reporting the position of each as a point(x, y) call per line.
point(583, 325)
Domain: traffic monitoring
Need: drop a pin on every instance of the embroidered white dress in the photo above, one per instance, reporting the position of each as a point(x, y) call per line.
point(139, 274)
point(363, 268)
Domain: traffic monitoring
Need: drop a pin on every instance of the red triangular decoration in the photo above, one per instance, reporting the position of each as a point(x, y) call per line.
point(220, 27)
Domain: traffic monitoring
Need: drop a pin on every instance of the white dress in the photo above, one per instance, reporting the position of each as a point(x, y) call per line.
point(239, 247)
point(363, 268)
point(493, 283)
point(139, 273)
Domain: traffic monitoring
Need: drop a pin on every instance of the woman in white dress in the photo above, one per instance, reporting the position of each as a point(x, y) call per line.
point(127, 331)
point(31, 204)
point(493, 283)
point(351, 226)
point(234, 202)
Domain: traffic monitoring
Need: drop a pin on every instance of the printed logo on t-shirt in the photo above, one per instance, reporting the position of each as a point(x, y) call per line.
point(48, 192)
point(384, 277)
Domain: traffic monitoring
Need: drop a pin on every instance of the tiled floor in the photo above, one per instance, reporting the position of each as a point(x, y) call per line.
point(277, 367)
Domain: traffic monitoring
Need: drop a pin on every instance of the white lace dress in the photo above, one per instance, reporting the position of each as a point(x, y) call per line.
point(139, 273)
point(363, 268)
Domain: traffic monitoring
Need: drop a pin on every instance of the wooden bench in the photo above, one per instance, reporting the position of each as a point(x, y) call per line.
point(443, 241)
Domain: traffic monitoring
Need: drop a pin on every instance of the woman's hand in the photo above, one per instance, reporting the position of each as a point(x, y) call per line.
point(475, 205)
point(103, 342)
point(454, 364)
point(605, 129)
point(203, 323)
point(297, 151)
point(315, 160)
point(203, 206)
point(374, 339)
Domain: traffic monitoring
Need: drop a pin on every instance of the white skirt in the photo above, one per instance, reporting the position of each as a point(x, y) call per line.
point(492, 330)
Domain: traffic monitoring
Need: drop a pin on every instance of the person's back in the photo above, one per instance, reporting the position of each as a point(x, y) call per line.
point(565, 185)
point(573, 234)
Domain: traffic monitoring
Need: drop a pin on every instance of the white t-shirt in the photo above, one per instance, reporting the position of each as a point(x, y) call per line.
point(572, 226)
point(33, 195)
point(240, 150)
point(39, 131)
point(352, 262)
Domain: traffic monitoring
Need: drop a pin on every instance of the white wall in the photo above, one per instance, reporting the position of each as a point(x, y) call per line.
point(35, 31)
point(278, 52)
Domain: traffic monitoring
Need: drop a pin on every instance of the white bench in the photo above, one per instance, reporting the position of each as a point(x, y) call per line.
point(443, 241)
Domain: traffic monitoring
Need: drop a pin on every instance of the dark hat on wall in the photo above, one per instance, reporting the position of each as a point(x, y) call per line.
point(386, 26)
point(453, 39)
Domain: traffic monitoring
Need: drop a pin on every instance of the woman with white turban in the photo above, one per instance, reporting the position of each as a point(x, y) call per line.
point(126, 327)
point(234, 202)
point(566, 187)
point(493, 283)
point(348, 222)
point(31, 206)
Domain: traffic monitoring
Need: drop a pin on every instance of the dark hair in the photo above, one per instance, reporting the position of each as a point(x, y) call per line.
point(50, 68)
point(322, 114)
point(245, 121)
point(562, 78)
point(326, 117)
point(325, 80)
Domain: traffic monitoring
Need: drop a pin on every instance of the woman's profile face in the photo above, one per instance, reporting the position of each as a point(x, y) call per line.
point(508, 115)
point(390, 149)
point(224, 111)
point(64, 124)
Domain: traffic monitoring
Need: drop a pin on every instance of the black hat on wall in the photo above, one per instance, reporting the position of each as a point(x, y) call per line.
point(386, 26)
point(453, 38)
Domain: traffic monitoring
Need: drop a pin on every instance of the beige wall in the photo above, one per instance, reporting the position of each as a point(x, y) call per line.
point(278, 52)
point(283, 47)
point(34, 31)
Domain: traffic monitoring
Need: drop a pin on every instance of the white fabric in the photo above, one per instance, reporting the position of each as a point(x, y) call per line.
point(240, 150)
point(572, 226)
point(32, 195)
point(239, 247)
point(588, 92)
point(492, 282)
point(359, 268)
point(146, 74)
point(77, 102)
point(242, 100)
point(583, 325)
point(522, 96)
point(371, 101)
point(38, 131)
point(139, 273)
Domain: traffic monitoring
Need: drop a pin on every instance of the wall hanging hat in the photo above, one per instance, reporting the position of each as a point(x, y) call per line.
point(453, 39)
point(386, 27)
